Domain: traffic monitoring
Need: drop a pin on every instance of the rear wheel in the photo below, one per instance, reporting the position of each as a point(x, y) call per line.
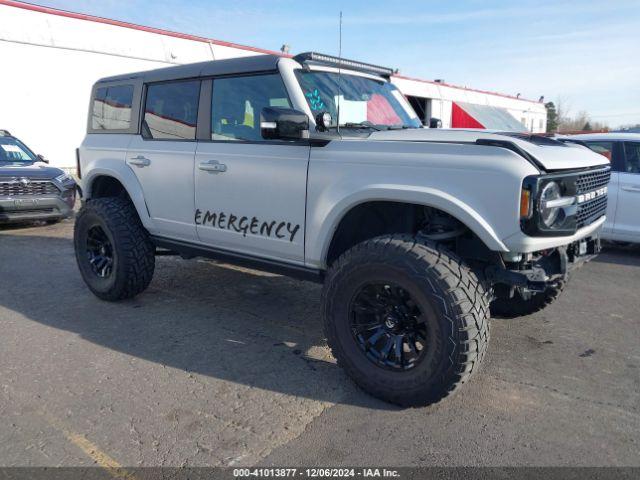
point(113, 250)
point(408, 321)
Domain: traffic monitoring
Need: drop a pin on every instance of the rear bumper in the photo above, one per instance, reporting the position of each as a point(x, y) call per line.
point(28, 208)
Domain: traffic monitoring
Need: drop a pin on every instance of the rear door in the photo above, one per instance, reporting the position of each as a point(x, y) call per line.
point(250, 192)
point(627, 222)
point(162, 156)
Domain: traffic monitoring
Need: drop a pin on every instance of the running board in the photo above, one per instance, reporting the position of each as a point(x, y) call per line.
point(190, 250)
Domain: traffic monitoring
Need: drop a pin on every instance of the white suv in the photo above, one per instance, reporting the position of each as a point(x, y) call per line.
point(317, 167)
point(623, 210)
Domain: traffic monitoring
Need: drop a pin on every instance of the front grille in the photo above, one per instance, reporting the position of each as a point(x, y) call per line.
point(16, 188)
point(588, 182)
point(590, 211)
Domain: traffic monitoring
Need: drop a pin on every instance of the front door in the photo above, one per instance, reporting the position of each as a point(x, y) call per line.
point(627, 222)
point(163, 156)
point(250, 193)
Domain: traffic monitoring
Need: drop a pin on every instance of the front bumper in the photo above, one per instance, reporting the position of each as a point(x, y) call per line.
point(549, 268)
point(29, 208)
point(521, 242)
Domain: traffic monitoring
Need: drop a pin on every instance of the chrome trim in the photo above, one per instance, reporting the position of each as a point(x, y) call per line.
point(558, 202)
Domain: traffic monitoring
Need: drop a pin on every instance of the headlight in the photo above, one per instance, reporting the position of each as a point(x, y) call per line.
point(65, 177)
point(548, 213)
point(551, 206)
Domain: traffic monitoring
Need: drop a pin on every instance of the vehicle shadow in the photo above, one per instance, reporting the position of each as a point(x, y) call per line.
point(8, 227)
point(233, 324)
point(617, 254)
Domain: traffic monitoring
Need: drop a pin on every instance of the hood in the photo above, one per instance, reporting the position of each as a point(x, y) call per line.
point(549, 153)
point(28, 169)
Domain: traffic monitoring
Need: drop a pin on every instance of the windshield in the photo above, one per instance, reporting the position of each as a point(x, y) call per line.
point(362, 101)
point(13, 150)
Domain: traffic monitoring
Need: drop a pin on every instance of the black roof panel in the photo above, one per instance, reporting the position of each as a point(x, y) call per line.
point(255, 63)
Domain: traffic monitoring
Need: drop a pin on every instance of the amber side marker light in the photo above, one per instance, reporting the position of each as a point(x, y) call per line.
point(525, 203)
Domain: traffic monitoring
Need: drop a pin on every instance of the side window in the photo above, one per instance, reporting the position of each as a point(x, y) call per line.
point(111, 109)
point(236, 104)
point(603, 148)
point(171, 110)
point(632, 157)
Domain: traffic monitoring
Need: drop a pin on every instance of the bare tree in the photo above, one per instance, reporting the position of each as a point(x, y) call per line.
point(567, 122)
point(563, 109)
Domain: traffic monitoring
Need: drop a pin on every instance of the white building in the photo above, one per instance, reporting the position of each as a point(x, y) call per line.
point(51, 58)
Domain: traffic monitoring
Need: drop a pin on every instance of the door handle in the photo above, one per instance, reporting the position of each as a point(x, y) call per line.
point(213, 166)
point(631, 189)
point(139, 161)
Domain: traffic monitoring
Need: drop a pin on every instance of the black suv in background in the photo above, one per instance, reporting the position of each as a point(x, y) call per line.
point(29, 188)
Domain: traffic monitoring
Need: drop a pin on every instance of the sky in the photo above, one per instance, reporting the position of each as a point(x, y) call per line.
point(584, 54)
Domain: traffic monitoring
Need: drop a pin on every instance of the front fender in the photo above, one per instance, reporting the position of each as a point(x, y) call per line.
point(324, 220)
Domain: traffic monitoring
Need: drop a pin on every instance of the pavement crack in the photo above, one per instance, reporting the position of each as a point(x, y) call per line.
point(623, 409)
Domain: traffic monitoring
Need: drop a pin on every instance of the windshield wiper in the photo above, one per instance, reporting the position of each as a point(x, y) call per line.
point(399, 127)
point(361, 125)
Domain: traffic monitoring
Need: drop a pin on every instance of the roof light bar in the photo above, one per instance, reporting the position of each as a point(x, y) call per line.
point(5, 133)
point(342, 63)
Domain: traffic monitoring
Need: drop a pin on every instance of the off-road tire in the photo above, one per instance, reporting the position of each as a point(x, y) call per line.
point(442, 285)
point(518, 306)
point(133, 252)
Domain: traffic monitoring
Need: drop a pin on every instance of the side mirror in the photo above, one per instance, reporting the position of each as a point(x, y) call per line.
point(435, 123)
point(41, 158)
point(279, 123)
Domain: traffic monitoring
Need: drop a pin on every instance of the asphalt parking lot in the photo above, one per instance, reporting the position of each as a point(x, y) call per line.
point(216, 365)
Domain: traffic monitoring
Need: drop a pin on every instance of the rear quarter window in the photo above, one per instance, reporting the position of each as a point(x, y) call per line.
point(111, 108)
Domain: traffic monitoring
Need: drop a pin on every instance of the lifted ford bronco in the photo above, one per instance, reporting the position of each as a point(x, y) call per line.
point(317, 167)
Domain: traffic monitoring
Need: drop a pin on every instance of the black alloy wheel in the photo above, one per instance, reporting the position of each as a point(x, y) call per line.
point(99, 252)
point(389, 326)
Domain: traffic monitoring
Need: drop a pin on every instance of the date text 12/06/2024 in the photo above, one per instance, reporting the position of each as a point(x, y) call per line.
point(244, 224)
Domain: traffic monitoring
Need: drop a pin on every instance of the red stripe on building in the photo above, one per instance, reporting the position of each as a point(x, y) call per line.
point(159, 31)
point(458, 87)
point(117, 23)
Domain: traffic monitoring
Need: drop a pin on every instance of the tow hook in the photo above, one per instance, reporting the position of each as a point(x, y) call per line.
point(541, 286)
point(539, 283)
point(496, 274)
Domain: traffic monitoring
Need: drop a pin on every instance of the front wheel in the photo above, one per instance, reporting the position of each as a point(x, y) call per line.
point(113, 250)
point(406, 319)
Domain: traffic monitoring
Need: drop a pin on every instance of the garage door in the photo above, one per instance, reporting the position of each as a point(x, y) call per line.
point(468, 115)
